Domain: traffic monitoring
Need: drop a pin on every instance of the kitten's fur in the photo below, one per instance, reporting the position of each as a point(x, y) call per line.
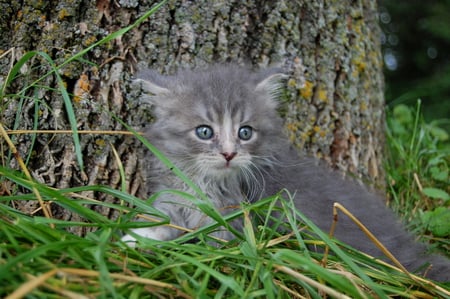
point(228, 99)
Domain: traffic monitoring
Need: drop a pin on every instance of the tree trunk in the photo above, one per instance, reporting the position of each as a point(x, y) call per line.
point(334, 98)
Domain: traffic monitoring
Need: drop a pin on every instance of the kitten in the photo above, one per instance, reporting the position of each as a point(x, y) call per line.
point(221, 128)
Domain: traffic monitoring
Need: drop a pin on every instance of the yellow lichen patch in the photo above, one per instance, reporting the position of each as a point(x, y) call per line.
point(322, 133)
point(291, 83)
point(89, 41)
point(367, 85)
point(307, 90)
point(322, 95)
point(359, 66)
point(363, 106)
point(293, 130)
point(375, 58)
point(318, 131)
point(100, 142)
point(81, 88)
point(357, 27)
point(42, 21)
point(305, 136)
point(292, 127)
point(63, 13)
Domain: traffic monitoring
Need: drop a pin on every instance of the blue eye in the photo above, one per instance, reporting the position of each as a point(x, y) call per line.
point(245, 133)
point(204, 132)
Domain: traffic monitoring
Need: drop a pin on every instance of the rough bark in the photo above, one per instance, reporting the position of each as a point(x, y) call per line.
point(333, 103)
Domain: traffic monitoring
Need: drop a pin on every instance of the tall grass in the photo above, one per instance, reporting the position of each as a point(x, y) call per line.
point(418, 169)
point(42, 262)
point(271, 258)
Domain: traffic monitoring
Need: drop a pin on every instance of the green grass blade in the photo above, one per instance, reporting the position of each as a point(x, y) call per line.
point(15, 70)
point(225, 281)
point(344, 257)
point(69, 109)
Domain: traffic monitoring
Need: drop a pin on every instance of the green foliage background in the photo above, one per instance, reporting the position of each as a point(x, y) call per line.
point(416, 49)
point(416, 52)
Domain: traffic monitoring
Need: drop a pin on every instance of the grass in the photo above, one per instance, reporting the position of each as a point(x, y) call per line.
point(42, 262)
point(39, 258)
point(418, 169)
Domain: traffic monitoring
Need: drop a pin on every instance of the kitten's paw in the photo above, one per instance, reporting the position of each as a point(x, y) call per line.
point(129, 240)
point(145, 232)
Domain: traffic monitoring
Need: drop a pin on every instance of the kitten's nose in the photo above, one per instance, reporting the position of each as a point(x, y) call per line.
point(229, 156)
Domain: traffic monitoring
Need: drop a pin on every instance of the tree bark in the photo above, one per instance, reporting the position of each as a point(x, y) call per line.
point(333, 103)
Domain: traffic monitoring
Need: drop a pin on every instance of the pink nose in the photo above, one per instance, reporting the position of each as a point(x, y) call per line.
point(229, 156)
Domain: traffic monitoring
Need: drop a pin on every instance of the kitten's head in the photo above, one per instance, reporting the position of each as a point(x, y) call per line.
point(216, 122)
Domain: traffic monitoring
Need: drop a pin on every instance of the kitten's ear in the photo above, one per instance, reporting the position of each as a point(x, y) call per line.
point(270, 82)
point(152, 82)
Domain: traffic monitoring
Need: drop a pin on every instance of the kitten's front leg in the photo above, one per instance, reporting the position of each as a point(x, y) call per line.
point(173, 207)
point(160, 233)
point(181, 213)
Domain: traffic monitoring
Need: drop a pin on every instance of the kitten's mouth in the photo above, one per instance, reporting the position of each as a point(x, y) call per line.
point(224, 166)
point(227, 166)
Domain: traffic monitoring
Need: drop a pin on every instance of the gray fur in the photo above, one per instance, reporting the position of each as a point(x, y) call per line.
point(231, 97)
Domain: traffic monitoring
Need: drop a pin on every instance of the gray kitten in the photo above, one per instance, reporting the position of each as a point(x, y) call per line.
point(221, 128)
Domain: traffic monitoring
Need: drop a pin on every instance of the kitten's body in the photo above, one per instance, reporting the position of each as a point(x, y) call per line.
point(220, 127)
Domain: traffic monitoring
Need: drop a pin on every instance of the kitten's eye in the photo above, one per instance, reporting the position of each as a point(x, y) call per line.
point(245, 132)
point(204, 132)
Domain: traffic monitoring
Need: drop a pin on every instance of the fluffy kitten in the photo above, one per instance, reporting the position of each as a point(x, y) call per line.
point(221, 128)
